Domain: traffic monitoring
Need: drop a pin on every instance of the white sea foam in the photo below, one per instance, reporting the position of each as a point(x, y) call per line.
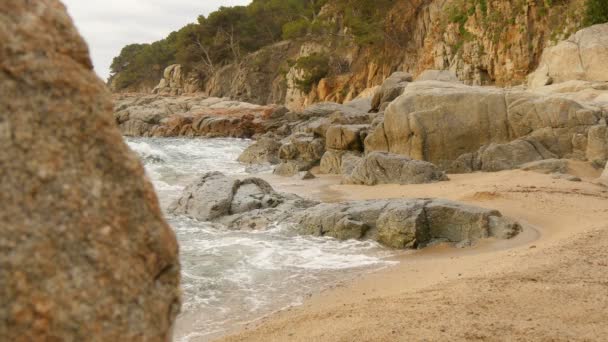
point(230, 276)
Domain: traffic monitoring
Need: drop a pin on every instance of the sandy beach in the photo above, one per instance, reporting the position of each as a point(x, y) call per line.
point(551, 281)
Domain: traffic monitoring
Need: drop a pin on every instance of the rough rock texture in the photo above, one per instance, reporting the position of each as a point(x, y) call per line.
point(84, 250)
point(583, 56)
point(264, 150)
point(406, 223)
point(441, 122)
point(399, 223)
point(339, 162)
point(438, 75)
point(547, 166)
point(498, 157)
point(391, 88)
point(192, 115)
point(238, 204)
point(387, 168)
point(346, 137)
point(175, 82)
point(604, 177)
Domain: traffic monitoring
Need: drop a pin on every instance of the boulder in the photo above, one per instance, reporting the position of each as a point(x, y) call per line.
point(438, 75)
point(290, 168)
point(439, 122)
point(597, 145)
point(388, 168)
point(583, 56)
point(264, 150)
point(406, 223)
point(238, 204)
point(339, 162)
point(84, 250)
point(391, 88)
point(346, 137)
point(547, 166)
point(498, 157)
point(302, 147)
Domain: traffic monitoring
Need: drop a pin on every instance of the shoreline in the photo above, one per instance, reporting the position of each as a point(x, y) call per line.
point(555, 213)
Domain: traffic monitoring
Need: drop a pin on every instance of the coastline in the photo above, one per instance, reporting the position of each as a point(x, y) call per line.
point(444, 292)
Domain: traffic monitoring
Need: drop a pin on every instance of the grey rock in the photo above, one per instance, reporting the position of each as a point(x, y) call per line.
point(346, 137)
point(291, 168)
point(391, 88)
point(264, 150)
point(339, 162)
point(250, 203)
point(604, 177)
point(438, 75)
point(302, 147)
point(406, 223)
point(547, 166)
point(388, 168)
point(498, 157)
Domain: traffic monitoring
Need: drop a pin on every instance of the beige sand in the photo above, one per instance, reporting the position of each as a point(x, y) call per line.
point(551, 283)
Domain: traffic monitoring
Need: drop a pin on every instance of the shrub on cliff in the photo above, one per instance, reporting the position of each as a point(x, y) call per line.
point(596, 12)
point(313, 69)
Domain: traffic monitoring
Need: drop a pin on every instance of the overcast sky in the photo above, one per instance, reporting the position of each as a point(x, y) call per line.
point(108, 25)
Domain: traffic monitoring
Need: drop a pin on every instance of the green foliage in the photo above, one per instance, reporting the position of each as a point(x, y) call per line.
point(313, 69)
point(596, 12)
point(365, 18)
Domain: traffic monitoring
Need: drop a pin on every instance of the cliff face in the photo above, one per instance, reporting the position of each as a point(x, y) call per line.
point(483, 41)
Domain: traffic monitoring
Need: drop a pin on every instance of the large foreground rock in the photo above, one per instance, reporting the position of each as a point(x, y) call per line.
point(388, 168)
point(390, 89)
point(238, 204)
point(84, 251)
point(406, 223)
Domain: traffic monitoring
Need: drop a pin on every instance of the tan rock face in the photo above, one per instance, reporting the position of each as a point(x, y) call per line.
point(84, 250)
point(439, 122)
point(583, 56)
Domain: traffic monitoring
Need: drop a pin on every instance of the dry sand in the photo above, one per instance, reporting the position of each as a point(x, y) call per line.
point(549, 284)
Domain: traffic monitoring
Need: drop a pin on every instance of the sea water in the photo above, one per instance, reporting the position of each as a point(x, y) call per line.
point(232, 277)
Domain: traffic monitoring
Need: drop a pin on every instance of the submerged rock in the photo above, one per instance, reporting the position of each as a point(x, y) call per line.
point(239, 204)
point(396, 223)
point(388, 168)
point(84, 250)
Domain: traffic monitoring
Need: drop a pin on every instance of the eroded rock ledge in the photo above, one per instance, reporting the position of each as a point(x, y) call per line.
point(397, 223)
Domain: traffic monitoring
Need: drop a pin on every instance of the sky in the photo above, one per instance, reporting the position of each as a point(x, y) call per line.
point(109, 25)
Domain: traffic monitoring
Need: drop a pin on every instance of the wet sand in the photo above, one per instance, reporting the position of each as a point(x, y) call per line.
point(549, 283)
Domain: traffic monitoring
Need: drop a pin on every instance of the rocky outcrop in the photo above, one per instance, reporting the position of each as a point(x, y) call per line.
point(387, 168)
point(264, 150)
point(547, 166)
point(438, 75)
point(191, 116)
point(339, 162)
point(390, 89)
point(84, 250)
point(406, 223)
point(448, 123)
point(176, 82)
point(583, 56)
point(238, 204)
point(399, 223)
